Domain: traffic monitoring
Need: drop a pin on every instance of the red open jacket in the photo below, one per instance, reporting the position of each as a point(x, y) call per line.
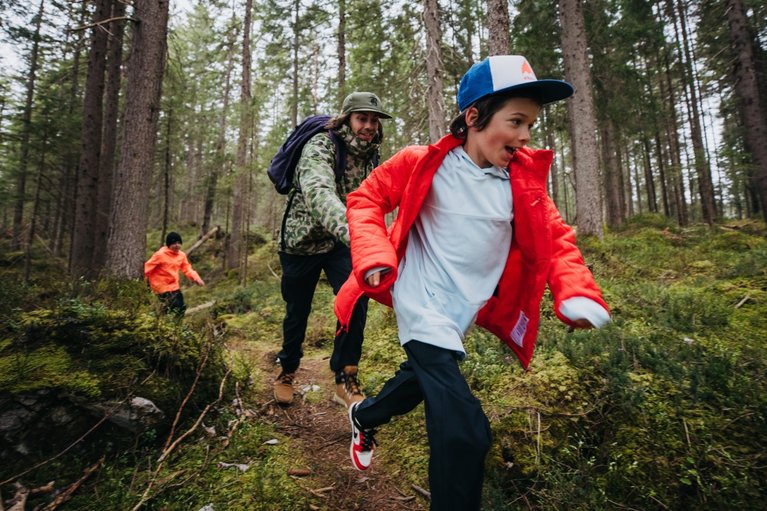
point(542, 251)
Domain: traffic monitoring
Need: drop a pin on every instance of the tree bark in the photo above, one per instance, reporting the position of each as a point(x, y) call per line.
point(83, 236)
point(236, 247)
point(434, 70)
point(588, 199)
point(613, 182)
point(126, 246)
point(294, 51)
point(751, 105)
point(212, 184)
point(341, 50)
point(109, 135)
point(702, 168)
point(499, 41)
point(26, 121)
point(672, 135)
point(652, 201)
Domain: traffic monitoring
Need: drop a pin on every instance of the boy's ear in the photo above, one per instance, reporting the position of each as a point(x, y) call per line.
point(471, 116)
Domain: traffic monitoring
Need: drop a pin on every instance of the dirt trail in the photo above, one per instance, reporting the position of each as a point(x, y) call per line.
point(321, 428)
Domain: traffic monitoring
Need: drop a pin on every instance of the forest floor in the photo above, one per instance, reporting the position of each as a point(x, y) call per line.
point(319, 429)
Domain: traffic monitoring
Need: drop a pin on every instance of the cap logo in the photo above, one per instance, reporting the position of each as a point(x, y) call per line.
point(373, 101)
point(527, 72)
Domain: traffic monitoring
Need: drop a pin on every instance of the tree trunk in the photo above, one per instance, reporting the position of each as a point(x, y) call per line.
point(554, 170)
point(652, 201)
point(751, 105)
point(434, 70)
point(109, 135)
point(341, 50)
point(26, 121)
point(166, 175)
point(294, 51)
point(126, 246)
point(588, 199)
point(613, 183)
point(236, 240)
point(210, 192)
point(499, 40)
point(672, 135)
point(35, 210)
point(662, 175)
point(83, 236)
point(702, 169)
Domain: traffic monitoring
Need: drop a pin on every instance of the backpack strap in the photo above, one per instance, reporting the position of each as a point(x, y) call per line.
point(340, 167)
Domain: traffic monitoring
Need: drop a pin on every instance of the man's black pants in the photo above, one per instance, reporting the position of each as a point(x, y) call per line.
point(300, 275)
point(457, 428)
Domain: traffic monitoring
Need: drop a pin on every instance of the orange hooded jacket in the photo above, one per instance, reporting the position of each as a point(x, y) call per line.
point(161, 270)
point(542, 251)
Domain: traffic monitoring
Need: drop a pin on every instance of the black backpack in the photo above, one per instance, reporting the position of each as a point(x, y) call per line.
point(283, 166)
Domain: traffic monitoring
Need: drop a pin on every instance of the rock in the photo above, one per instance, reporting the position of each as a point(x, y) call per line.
point(138, 415)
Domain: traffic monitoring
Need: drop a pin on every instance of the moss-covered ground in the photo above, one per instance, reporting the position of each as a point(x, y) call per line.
point(663, 409)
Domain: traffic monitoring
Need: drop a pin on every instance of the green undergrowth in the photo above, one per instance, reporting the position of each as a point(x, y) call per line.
point(664, 408)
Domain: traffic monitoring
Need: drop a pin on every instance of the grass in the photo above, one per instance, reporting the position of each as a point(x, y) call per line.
point(663, 409)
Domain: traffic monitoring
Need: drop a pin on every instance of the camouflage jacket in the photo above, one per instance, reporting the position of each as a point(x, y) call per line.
point(316, 214)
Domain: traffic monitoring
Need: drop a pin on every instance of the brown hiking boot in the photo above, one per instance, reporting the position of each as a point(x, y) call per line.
point(348, 390)
point(283, 388)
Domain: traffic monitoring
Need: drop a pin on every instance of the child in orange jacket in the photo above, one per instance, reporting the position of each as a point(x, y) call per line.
point(161, 270)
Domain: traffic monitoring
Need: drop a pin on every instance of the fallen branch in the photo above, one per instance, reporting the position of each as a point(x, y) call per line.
point(424, 493)
point(166, 452)
point(201, 307)
point(67, 494)
point(45, 462)
point(19, 500)
point(197, 423)
point(270, 269)
point(198, 372)
point(202, 240)
point(743, 301)
point(240, 416)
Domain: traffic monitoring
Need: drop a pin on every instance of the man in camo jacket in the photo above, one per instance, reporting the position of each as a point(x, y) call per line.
point(315, 237)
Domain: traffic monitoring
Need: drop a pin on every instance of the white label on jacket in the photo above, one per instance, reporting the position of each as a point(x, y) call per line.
point(518, 333)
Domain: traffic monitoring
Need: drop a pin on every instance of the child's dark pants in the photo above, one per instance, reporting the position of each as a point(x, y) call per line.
point(173, 303)
point(458, 430)
point(300, 275)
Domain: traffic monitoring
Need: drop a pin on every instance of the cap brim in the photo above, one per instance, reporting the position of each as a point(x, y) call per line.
point(381, 113)
point(548, 91)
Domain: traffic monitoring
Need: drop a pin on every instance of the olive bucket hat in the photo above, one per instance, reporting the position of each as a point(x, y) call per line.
point(363, 102)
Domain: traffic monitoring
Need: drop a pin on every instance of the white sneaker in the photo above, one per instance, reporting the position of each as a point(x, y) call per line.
point(363, 443)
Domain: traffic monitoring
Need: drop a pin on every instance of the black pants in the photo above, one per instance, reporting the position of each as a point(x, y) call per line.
point(457, 428)
point(300, 275)
point(173, 303)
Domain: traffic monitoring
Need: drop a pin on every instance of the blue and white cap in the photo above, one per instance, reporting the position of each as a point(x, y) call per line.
point(504, 73)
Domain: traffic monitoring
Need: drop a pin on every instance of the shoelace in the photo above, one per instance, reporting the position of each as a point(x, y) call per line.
point(352, 385)
point(368, 440)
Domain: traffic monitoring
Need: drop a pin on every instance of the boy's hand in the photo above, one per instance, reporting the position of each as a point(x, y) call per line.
point(583, 323)
point(374, 279)
point(199, 282)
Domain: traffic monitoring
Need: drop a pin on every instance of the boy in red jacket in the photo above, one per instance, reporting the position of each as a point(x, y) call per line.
point(161, 270)
point(476, 240)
